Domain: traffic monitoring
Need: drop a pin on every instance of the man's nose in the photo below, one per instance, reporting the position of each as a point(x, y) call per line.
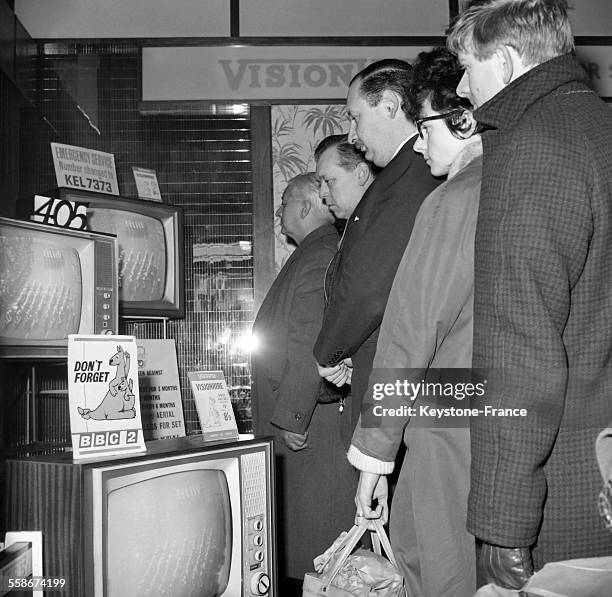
point(352, 133)
point(463, 88)
point(323, 191)
point(279, 212)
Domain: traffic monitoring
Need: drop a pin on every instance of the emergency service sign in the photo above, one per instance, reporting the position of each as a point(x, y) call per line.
point(84, 169)
point(105, 416)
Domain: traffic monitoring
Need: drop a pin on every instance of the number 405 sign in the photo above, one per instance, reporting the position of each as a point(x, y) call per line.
point(59, 212)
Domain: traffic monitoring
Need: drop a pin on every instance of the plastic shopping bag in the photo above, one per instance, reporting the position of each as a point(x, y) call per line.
point(361, 574)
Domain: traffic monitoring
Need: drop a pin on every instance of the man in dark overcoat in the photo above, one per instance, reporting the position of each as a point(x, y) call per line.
point(543, 287)
point(315, 483)
point(359, 279)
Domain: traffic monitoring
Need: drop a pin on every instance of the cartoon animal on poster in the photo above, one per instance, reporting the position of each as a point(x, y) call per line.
point(119, 400)
point(121, 360)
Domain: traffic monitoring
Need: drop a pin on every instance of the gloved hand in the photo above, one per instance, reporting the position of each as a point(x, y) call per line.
point(507, 567)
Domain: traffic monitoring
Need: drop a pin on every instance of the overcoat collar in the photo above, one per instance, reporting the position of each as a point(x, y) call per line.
point(314, 237)
point(311, 238)
point(471, 150)
point(505, 109)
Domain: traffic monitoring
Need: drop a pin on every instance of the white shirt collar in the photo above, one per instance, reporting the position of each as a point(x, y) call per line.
point(403, 143)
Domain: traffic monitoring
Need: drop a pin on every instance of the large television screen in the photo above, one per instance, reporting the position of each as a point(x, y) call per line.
point(187, 518)
point(53, 282)
point(170, 535)
point(150, 244)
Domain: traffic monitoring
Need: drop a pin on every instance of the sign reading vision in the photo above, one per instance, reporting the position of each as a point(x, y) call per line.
point(258, 73)
point(290, 74)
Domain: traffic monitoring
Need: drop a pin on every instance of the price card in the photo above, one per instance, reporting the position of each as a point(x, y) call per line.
point(146, 184)
point(104, 402)
point(213, 404)
point(59, 212)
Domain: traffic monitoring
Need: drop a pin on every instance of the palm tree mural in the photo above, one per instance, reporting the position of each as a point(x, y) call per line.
point(287, 158)
point(328, 120)
point(291, 124)
point(296, 131)
point(286, 155)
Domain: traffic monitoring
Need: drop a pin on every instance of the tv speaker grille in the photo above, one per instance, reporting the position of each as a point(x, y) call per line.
point(254, 483)
point(104, 264)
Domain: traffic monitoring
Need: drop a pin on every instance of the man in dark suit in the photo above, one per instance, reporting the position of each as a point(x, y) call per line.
point(543, 287)
point(315, 482)
point(360, 277)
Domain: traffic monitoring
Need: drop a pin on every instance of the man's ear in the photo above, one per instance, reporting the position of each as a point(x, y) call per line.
point(505, 58)
point(363, 173)
point(390, 102)
point(305, 209)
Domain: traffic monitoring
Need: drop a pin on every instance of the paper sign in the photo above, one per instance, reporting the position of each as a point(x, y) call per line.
point(103, 395)
point(146, 184)
point(79, 168)
point(214, 405)
point(160, 390)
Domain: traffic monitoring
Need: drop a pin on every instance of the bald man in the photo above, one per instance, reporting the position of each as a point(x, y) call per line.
point(315, 482)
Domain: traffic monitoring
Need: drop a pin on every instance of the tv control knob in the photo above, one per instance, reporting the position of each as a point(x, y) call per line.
point(259, 555)
point(260, 584)
point(258, 540)
point(258, 525)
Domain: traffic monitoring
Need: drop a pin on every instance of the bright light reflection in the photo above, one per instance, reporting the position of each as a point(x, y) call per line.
point(248, 342)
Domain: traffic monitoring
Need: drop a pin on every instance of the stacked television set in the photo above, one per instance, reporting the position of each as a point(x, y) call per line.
point(54, 282)
point(184, 519)
point(150, 251)
point(59, 281)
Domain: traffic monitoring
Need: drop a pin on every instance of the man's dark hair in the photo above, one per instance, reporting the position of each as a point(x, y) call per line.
point(435, 77)
point(389, 74)
point(349, 157)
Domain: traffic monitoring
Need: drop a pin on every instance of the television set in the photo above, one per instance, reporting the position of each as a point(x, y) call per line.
point(54, 282)
point(186, 518)
point(151, 254)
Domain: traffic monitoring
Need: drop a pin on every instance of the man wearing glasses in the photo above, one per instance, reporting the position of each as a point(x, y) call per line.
point(426, 334)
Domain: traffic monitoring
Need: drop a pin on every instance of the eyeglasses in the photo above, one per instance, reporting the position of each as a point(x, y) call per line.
point(419, 122)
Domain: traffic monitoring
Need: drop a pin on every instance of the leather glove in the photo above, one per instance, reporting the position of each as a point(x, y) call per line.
point(507, 567)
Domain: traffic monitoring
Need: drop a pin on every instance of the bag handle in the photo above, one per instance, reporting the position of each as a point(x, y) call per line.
point(348, 536)
point(350, 542)
point(379, 537)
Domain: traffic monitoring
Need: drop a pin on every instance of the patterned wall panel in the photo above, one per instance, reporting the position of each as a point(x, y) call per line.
point(296, 131)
